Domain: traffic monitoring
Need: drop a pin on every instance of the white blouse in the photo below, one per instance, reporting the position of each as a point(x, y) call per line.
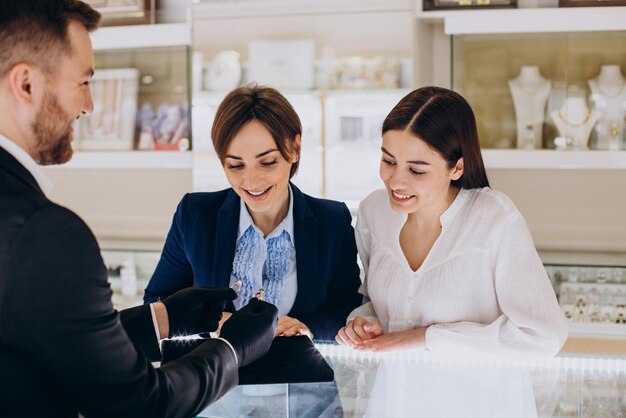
point(481, 289)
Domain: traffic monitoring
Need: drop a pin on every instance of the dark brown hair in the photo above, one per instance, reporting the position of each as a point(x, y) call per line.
point(265, 105)
point(445, 121)
point(35, 31)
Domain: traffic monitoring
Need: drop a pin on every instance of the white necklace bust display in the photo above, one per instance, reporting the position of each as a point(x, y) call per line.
point(574, 121)
point(608, 97)
point(530, 93)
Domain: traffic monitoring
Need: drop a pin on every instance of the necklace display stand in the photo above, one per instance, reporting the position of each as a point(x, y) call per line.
point(574, 121)
point(608, 98)
point(530, 93)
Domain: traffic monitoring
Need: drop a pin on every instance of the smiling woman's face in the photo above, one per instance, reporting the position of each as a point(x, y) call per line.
point(415, 175)
point(256, 170)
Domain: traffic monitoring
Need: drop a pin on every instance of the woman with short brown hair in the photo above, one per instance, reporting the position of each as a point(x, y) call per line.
point(264, 233)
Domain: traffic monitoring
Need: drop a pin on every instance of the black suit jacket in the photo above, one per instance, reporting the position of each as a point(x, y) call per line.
point(63, 348)
point(200, 249)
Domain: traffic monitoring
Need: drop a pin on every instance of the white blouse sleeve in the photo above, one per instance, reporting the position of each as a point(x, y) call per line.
point(531, 323)
point(363, 242)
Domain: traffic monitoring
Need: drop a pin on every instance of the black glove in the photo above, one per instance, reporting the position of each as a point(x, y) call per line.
point(250, 330)
point(196, 309)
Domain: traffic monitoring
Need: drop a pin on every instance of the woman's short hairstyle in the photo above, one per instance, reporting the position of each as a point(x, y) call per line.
point(445, 121)
point(35, 31)
point(265, 105)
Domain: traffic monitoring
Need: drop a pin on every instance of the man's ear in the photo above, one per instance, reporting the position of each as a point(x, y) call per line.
point(24, 81)
point(457, 171)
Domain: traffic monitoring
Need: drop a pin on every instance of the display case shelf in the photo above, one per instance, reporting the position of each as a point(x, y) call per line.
point(554, 160)
point(128, 159)
point(211, 9)
point(537, 20)
point(584, 19)
point(141, 36)
point(597, 330)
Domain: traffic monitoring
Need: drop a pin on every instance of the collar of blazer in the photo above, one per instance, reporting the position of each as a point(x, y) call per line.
point(305, 231)
point(17, 170)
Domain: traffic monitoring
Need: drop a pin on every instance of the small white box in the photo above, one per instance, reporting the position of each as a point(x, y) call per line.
point(282, 64)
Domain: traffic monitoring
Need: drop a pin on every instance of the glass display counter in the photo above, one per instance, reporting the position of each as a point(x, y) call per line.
point(403, 384)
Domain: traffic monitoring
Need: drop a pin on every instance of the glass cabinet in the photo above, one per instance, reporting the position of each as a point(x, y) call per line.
point(593, 298)
point(545, 90)
point(161, 97)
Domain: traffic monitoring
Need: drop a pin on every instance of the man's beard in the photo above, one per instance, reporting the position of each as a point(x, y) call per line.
point(53, 135)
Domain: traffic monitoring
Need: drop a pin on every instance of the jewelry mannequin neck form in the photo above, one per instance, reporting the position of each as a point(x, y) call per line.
point(574, 121)
point(529, 81)
point(574, 111)
point(610, 80)
point(529, 74)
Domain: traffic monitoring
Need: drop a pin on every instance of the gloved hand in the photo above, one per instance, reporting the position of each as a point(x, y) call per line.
point(196, 309)
point(250, 330)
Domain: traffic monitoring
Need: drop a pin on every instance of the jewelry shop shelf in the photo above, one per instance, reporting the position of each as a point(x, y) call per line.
point(538, 20)
point(129, 160)
point(556, 160)
point(141, 36)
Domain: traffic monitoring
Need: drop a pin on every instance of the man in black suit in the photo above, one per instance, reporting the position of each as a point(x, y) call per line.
point(63, 348)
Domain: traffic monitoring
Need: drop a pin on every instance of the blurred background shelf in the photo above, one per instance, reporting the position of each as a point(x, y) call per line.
point(549, 20)
point(592, 330)
point(128, 159)
point(141, 36)
point(553, 160)
point(526, 20)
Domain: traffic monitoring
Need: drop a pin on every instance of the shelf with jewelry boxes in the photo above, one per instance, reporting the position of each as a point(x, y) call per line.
point(156, 58)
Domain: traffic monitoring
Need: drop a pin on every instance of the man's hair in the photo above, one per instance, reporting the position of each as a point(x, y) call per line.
point(35, 31)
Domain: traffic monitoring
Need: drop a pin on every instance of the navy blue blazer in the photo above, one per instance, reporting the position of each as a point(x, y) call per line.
point(200, 249)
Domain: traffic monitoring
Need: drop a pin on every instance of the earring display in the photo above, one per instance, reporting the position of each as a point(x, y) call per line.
point(530, 93)
point(589, 294)
point(574, 121)
point(608, 99)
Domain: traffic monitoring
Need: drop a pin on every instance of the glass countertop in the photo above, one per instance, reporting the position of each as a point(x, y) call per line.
point(410, 384)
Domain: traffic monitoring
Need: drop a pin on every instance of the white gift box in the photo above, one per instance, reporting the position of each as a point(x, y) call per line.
point(282, 64)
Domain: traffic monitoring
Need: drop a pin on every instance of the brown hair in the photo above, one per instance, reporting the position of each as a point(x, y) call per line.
point(445, 121)
point(265, 105)
point(35, 31)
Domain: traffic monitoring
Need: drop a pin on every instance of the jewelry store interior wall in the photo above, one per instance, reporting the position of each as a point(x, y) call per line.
point(130, 207)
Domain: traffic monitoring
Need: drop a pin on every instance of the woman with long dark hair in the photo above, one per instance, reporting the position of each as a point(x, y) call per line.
point(449, 263)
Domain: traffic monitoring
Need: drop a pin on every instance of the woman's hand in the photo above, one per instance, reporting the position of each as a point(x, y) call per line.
point(358, 331)
point(288, 327)
point(225, 316)
point(413, 338)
